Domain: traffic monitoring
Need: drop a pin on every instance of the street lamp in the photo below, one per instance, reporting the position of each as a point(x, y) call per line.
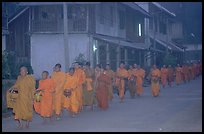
point(195, 46)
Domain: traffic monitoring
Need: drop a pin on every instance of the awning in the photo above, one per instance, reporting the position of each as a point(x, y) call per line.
point(121, 42)
point(136, 7)
point(170, 45)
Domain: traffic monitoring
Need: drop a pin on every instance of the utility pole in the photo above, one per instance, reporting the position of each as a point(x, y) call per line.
point(66, 45)
point(154, 45)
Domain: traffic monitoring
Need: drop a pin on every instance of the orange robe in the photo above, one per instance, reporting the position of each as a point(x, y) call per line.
point(71, 103)
point(111, 76)
point(120, 82)
point(79, 73)
point(155, 75)
point(59, 80)
point(45, 106)
point(102, 91)
point(185, 73)
point(140, 74)
point(132, 82)
point(23, 107)
point(88, 88)
point(164, 72)
point(178, 75)
point(170, 76)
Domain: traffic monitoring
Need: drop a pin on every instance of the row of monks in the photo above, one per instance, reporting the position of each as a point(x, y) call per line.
point(85, 86)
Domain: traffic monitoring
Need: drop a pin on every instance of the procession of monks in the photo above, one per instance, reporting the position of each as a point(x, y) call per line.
point(83, 86)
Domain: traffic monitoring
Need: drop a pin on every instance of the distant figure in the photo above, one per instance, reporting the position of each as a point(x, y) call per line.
point(170, 75)
point(46, 89)
point(111, 75)
point(164, 72)
point(88, 87)
point(131, 81)
point(155, 76)
point(140, 74)
point(102, 90)
point(79, 73)
point(121, 75)
point(178, 74)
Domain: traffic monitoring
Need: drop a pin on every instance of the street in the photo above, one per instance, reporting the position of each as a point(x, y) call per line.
point(178, 108)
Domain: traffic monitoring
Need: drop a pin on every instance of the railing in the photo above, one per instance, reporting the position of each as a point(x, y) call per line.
point(74, 25)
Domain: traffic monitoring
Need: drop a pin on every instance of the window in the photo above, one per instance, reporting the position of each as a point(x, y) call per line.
point(139, 29)
point(121, 19)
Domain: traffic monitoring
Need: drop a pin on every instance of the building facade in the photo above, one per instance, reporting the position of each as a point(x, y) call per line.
point(46, 33)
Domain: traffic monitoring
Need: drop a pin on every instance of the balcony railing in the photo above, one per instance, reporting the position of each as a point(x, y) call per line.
point(56, 26)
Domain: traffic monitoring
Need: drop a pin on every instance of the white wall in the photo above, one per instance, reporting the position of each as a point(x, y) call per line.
point(48, 49)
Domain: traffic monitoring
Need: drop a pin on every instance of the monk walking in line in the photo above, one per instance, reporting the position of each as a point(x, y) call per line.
point(140, 74)
point(170, 75)
point(178, 74)
point(88, 87)
point(79, 73)
point(131, 81)
point(71, 102)
point(121, 75)
point(23, 106)
point(164, 72)
point(46, 88)
point(59, 80)
point(111, 75)
point(102, 90)
point(155, 76)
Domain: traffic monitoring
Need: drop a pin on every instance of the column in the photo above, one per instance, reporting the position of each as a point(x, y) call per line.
point(126, 56)
point(66, 45)
point(107, 54)
point(118, 56)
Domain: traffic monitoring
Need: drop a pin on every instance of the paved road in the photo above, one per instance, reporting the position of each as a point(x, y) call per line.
point(176, 109)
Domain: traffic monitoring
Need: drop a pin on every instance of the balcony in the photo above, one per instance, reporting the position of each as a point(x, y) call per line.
point(56, 26)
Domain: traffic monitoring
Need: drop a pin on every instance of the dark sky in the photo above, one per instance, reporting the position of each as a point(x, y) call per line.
point(190, 13)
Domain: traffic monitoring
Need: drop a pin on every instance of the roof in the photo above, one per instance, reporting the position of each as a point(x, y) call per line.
point(137, 7)
point(121, 42)
point(193, 47)
point(164, 9)
point(15, 15)
point(170, 45)
point(53, 3)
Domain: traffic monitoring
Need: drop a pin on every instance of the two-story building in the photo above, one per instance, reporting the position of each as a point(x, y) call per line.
point(46, 33)
point(162, 29)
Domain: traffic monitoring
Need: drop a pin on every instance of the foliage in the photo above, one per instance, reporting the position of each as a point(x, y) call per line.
point(10, 69)
point(81, 59)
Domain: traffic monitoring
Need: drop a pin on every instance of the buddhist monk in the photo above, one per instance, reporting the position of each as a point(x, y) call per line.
point(102, 90)
point(155, 76)
point(23, 107)
point(79, 73)
point(121, 75)
point(88, 87)
point(131, 81)
point(46, 89)
point(185, 73)
point(164, 72)
point(140, 74)
point(59, 78)
point(190, 68)
point(111, 75)
point(71, 102)
point(178, 74)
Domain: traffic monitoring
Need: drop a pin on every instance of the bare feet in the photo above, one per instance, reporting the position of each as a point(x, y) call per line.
point(27, 124)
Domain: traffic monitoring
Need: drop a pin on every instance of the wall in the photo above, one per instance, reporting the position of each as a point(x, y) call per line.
point(48, 49)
